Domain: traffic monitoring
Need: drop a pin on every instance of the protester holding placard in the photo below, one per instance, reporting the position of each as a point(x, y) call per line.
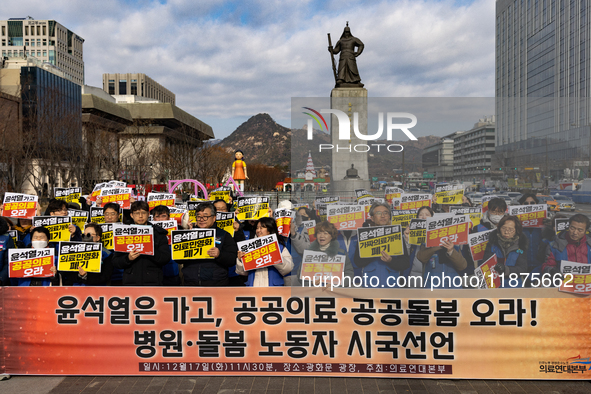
point(170, 271)
point(327, 242)
point(446, 259)
point(572, 244)
point(92, 233)
point(384, 266)
point(497, 207)
point(511, 247)
point(416, 266)
point(111, 215)
point(267, 276)
point(534, 235)
point(141, 269)
point(39, 240)
point(212, 271)
point(6, 243)
point(60, 208)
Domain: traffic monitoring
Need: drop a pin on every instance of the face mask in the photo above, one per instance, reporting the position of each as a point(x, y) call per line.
point(38, 244)
point(87, 238)
point(495, 218)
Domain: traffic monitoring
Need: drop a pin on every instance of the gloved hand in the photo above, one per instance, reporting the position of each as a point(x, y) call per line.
point(500, 268)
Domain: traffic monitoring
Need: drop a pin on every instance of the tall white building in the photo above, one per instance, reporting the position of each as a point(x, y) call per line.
point(46, 40)
point(543, 84)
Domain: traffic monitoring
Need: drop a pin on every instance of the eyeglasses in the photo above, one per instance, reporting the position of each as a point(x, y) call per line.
point(507, 230)
point(381, 213)
point(90, 235)
point(109, 214)
point(204, 217)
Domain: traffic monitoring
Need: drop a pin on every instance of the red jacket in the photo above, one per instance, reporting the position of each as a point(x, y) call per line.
point(575, 251)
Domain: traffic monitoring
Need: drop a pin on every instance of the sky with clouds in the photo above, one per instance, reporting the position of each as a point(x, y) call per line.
point(229, 60)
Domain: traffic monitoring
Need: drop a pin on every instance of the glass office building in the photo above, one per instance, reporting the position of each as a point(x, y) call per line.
point(542, 85)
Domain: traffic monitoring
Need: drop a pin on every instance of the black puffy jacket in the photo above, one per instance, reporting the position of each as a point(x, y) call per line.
point(145, 270)
point(212, 270)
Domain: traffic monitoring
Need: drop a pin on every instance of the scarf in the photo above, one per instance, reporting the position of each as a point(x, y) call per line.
point(505, 243)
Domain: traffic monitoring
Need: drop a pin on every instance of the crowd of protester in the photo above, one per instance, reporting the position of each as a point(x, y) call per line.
point(518, 250)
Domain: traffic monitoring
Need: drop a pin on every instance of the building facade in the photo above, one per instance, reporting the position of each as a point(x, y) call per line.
point(46, 40)
point(133, 84)
point(438, 159)
point(542, 85)
point(474, 152)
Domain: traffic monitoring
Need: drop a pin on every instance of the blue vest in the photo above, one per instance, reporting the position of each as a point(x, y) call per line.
point(379, 269)
point(275, 278)
point(510, 261)
point(436, 268)
point(353, 245)
point(559, 256)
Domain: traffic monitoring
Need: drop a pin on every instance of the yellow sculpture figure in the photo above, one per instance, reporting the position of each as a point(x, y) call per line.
point(239, 173)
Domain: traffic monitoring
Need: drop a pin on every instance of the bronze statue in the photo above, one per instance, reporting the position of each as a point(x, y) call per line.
point(348, 75)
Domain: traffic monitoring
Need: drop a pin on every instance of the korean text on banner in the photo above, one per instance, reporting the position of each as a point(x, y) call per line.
point(449, 194)
point(96, 191)
point(529, 215)
point(252, 208)
point(475, 213)
point(225, 221)
point(79, 218)
point(30, 263)
point(375, 240)
point(393, 193)
point(177, 214)
point(402, 218)
point(107, 236)
point(75, 255)
point(156, 199)
point(118, 195)
point(362, 194)
point(561, 224)
point(488, 278)
point(283, 218)
point(97, 215)
point(414, 201)
point(346, 217)
point(477, 243)
point(132, 237)
point(68, 194)
point(220, 195)
point(168, 225)
point(320, 266)
point(577, 278)
point(58, 226)
point(260, 252)
point(417, 231)
point(271, 331)
point(192, 244)
point(452, 229)
point(19, 206)
point(309, 226)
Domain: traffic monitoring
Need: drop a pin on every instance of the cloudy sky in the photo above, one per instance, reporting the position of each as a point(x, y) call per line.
point(229, 60)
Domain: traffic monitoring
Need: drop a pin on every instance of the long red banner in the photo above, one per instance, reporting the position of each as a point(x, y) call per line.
point(484, 334)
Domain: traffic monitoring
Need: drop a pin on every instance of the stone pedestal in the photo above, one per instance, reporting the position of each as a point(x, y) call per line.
point(349, 100)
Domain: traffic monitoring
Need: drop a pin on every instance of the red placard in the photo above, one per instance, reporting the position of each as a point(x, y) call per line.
point(489, 278)
point(530, 216)
point(577, 278)
point(346, 217)
point(36, 267)
point(20, 210)
point(169, 226)
point(128, 243)
point(124, 200)
point(477, 243)
point(260, 252)
point(456, 233)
